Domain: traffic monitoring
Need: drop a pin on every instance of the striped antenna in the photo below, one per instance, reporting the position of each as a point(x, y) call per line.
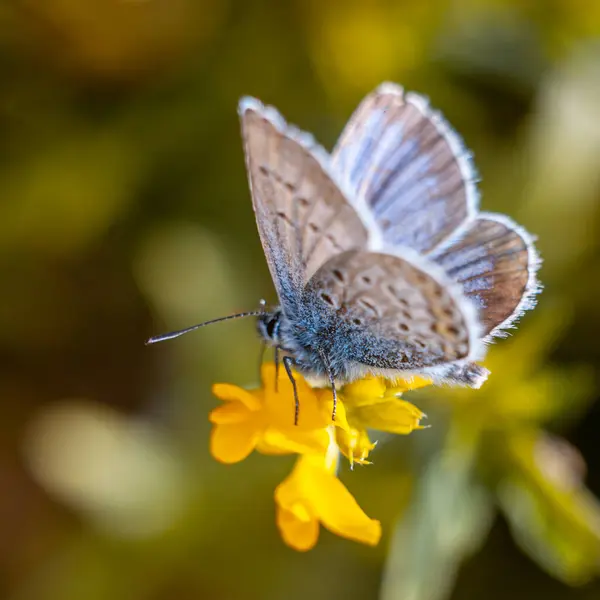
point(173, 334)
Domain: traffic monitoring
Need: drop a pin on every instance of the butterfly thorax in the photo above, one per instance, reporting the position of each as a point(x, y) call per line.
point(323, 345)
point(318, 342)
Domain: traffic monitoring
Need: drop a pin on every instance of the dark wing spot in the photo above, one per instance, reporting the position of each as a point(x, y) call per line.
point(303, 202)
point(333, 242)
point(264, 171)
point(423, 279)
point(314, 227)
point(357, 321)
point(368, 305)
point(448, 312)
point(290, 186)
point(453, 330)
point(445, 330)
point(366, 279)
point(338, 275)
point(327, 298)
point(394, 292)
point(283, 216)
point(403, 327)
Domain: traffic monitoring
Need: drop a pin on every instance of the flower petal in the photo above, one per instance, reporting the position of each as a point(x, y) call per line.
point(233, 393)
point(268, 375)
point(325, 398)
point(393, 415)
point(355, 445)
point(264, 447)
point(299, 534)
point(364, 391)
point(400, 386)
point(300, 442)
point(280, 405)
point(232, 412)
point(233, 443)
point(333, 504)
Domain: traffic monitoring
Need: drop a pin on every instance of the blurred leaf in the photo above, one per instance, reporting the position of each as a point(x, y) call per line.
point(69, 193)
point(118, 40)
point(553, 516)
point(521, 388)
point(448, 519)
point(339, 33)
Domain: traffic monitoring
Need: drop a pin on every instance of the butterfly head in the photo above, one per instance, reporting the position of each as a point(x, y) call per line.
point(268, 325)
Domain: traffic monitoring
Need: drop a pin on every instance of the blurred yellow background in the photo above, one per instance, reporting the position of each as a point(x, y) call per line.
point(124, 212)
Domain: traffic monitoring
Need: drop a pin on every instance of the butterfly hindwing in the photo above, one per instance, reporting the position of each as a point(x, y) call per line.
point(407, 319)
point(409, 167)
point(495, 262)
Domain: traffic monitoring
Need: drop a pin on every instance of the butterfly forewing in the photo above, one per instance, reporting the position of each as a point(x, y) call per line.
point(407, 320)
point(303, 217)
point(409, 167)
point(495, 262)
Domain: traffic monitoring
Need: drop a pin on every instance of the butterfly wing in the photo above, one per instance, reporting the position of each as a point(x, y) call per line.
point(302, 215)
point(393, 315)
point(414, 174)
point(495, 262)
point(408, 167)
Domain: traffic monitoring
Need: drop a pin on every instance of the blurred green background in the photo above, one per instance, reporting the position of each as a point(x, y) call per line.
point(124, 212)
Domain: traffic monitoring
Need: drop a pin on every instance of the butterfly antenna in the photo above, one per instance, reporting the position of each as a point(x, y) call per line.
point(173, 334)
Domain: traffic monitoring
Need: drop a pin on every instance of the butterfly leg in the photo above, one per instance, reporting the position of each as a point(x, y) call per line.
point(331, 381)
point(276, 361)
point(288, 361)
point(261, 357)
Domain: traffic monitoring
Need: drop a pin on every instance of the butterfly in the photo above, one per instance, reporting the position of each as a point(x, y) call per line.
point(380, 258)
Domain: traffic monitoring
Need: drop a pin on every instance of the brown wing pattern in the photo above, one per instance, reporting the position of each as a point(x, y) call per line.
point(495, 262)
point(407, 319)
point(303, 218)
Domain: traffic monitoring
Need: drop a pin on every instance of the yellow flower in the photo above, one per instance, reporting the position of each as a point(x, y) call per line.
point(312, 496)
point(373, 403)
point(263, 419)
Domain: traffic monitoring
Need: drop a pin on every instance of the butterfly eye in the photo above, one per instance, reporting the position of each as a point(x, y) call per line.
point(273, 327)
